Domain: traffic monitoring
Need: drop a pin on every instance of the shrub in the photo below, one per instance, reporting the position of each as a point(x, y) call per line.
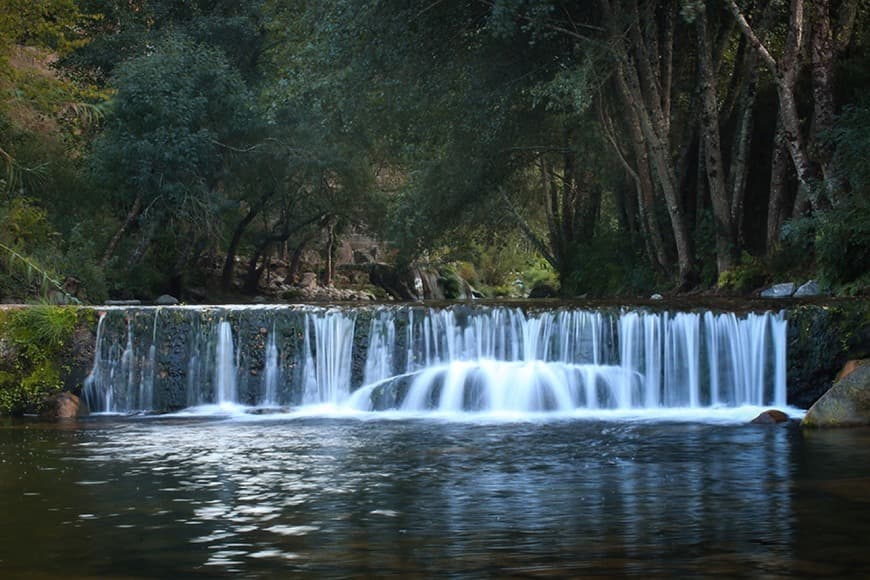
point(748, 275)
point(37, 337)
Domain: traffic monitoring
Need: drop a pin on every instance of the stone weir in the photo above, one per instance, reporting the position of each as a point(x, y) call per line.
point(451, 358)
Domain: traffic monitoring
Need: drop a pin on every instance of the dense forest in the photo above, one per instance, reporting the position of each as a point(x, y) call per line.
point(604, 147)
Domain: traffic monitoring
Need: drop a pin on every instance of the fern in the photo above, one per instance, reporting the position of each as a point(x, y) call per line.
point(18, 176)
point(32, 272)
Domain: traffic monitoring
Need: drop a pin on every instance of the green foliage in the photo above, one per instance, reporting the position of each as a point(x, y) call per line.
point(748, 275)
point(50, 23)
point(24, 227)
point(38, 335)
point(842, 245)
point(171, 135)
point(174, 113)
point(42, 329)
point(609, 264)
point(836, 241)
point(119, 31)
point(820, 341)
point(540, 273)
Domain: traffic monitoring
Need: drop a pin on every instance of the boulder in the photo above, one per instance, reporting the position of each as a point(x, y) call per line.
point(778, 290)
point(847, 403)
point(166, 300)
point(811, 288)
point(308, 280)
point(770, 417)
point(63, 405)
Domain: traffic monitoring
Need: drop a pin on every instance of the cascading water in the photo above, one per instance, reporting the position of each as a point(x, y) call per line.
point(272, 375)
point(122, 378)
point(502, 360)
point(328, 356)
point(226, 365)
point(460, 359)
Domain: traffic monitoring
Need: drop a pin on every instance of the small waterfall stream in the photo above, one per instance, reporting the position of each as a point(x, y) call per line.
point(272, 373)
point(451, 360)
point(226, 366)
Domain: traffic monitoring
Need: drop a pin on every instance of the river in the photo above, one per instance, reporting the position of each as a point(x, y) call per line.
point(382, 495)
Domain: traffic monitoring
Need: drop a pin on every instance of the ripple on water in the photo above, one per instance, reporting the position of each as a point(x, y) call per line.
point(273, 553)
point(292, 530)
point(426, 498)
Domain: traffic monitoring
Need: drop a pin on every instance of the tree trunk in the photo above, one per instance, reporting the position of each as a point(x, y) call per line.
point(647, 108)
point(235, 240)
point(777, 201)
point(719, 198)
point(252, 276)
point(823, 97)
point(329, 269)
point(142, 246)
point(116, 239)
point(645, 197)
point(739, 167)
point(296, 261)
point(785, 73)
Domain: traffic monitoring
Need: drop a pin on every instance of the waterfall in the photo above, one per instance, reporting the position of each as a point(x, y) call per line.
point(95, 391)
point(272, 375)
point(328, 356)
point(418, 359)
point(226, 365)
point(122, 377)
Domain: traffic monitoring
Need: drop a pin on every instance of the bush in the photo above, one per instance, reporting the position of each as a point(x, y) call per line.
point(842, 244)
point(608, 265)
point(748, 275)
point(36, 337)
point(450, 282)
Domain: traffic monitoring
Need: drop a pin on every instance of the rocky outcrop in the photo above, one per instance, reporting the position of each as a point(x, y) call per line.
point(783, 290)
point(811, 288)
point(770, 417)
point(821, 338)
point(166, 300)
point(63, 405)
point(847, 403)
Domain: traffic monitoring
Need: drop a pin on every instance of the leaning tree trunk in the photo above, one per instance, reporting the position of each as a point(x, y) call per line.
point(235, 240)
point(785, 74)
point(116, 239)
point(639, 85)
point(644, 188)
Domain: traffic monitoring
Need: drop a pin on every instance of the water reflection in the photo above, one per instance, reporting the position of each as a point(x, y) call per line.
point(160, 497)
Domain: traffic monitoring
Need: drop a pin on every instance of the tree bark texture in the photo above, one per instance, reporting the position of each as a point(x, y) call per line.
point(725, 232)
point(632, 73)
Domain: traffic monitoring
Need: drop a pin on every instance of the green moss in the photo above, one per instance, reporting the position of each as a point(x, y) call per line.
point(450, 282)
point(37, 337)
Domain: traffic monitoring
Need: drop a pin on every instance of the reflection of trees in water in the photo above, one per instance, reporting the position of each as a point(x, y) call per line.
point(337, 497)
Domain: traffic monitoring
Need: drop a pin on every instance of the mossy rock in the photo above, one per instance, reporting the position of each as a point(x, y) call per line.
point(846, 404)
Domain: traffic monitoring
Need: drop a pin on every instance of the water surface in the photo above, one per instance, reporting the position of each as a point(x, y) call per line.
point(415, 497)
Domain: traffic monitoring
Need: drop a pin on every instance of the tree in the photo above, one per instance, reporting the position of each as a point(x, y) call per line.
point(170, 134)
